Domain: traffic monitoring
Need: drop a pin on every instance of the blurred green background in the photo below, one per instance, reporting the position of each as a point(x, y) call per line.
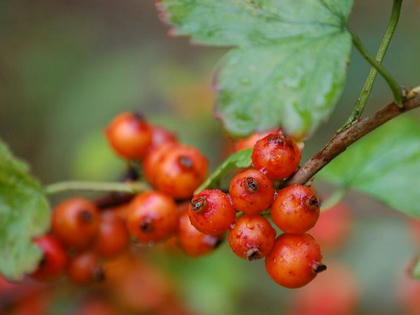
point(68, 66)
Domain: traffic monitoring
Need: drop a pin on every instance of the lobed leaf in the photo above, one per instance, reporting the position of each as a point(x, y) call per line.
point(289, 64)
point(24, 214)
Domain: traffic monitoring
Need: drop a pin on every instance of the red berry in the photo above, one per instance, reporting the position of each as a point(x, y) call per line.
point(294, 260)
point(75, 222)
point(85, 268)
point(153, 160)
point(276, 156)
point(251, 192)
point(181, 170)
point(160, 136)
point(333, 226)
point(129, 135)
point(113, 236)
point(152, 217)
point(54, 258)
point(251, 140)
point(211, 212)
point(252, 237)
point(192, 241)
point(296, 209)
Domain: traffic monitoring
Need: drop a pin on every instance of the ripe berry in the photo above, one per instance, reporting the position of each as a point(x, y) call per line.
point(54, 258)
point(294, 260)
point(153, 159)
point(160, 136)
point(129, 135)
point(112, 237)
point(296, 209)
point(251, 140)
point(333, 226)
point(211, 212)
point(276, 156)
point(152, 217)
point(181, 171)
point(75, 222)
point(252, 237)
point(85, 268)
point(192, 241)
point(251, 192)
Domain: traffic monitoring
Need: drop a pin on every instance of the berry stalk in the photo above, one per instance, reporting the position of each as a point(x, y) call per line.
point(132, 188)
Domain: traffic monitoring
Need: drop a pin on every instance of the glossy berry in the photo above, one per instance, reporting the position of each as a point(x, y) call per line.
point(192, 241)
point(129, 135)
point(294, 260)
point(112, 237)
point(276, 156)
point(54, 258)
point(153, 159)
point(296, 209)
point(85, 268)
point(251, 192)
point(75, 222)
point(251, 140)
point(211, 212)
point(252, 237)
point(181, 171)
point(152, 217)
point(160, 136)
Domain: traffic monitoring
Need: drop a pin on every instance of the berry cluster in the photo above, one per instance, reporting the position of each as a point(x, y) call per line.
point(197, 223)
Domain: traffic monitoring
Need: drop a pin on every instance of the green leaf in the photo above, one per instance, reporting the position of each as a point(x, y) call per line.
point(241, 159)
point(384, 164)
point(415, 272)
point(289, 64)
point(24, 214)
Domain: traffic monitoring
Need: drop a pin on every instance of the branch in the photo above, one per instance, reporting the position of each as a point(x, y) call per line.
point(129, 187)
point(344, 138)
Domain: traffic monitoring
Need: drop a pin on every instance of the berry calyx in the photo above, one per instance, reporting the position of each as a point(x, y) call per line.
point(180, 171)
point(252, 237)
point(75, 222)
point(112, 237)
point(129, 135)
point(152, 217)
point(296, 209)
point(211, 212)
point(53, 261)
point(194, 242)
point(85, 268)
point(276, 156)
point(295, 260)
point(251, 192)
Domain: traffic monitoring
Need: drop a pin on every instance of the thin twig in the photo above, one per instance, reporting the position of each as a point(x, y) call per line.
point(343, 139)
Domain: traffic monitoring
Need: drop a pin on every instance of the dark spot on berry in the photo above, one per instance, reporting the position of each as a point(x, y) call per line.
point(320, 268)
point(146, 226)
point(276, 139)
point(185, 162)
point(198, 204)
point(43, 261)
point(99, 274)
point(252, 184)
point(252, 254)
point(313, 201)
point(85, 216)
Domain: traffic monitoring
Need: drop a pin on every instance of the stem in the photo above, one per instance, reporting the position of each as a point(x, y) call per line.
point(367, 87)
point(392, 83)
point(132, 188)
point(344, 138)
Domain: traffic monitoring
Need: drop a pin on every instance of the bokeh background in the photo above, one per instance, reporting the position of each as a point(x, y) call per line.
point(68, 66)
